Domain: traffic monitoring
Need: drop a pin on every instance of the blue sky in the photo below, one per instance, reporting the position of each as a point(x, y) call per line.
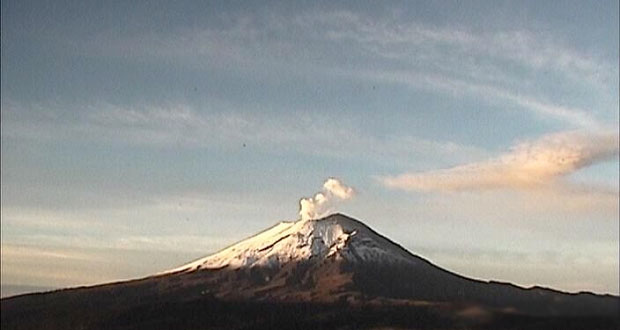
point(482, 136)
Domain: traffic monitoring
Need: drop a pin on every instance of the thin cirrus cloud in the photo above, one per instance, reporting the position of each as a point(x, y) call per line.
point(405, 40)
point(258, 38)
point(506, 62)
point(183, 125)
point(576, 117)
point(531, 164)
point(180, 125)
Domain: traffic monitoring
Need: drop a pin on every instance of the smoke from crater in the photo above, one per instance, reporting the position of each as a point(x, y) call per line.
point(325, 201)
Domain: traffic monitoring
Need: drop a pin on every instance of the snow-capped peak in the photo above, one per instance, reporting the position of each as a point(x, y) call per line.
point(335, 236)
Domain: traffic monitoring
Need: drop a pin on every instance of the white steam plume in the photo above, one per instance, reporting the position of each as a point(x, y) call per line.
point(324, 201)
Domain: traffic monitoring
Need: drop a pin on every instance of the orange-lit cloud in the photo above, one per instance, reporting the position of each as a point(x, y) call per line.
point(526, 165)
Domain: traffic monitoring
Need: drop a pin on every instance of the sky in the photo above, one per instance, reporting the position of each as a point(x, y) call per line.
point(481, 135)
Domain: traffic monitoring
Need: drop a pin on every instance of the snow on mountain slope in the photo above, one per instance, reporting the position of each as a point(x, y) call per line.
point(336, 235)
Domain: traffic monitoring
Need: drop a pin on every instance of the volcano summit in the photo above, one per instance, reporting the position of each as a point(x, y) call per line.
point(328, 273)
point(336, 237)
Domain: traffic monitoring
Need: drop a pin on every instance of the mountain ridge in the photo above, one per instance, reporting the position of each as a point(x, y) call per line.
point(335, 261)
point(319, 234)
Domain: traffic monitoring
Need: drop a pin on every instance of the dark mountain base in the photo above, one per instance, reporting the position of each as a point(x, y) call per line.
point(209, 313)
point(360, 280)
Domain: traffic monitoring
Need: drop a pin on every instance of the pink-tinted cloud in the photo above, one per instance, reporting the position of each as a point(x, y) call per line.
point(526, 165)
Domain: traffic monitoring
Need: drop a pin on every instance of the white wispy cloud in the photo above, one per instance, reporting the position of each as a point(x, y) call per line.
point(415, 42)
point(23, 251)
point(183, 126)
point(494, 66)
point(528, 164)
point(574, 116)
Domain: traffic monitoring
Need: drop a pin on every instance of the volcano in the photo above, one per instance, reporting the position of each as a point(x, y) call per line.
point(332, 272)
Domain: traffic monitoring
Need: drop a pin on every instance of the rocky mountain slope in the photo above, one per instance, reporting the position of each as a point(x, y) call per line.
point(332, 264)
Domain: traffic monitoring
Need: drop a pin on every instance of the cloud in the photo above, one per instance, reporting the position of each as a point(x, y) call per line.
point(323, 203)
point(490, 93)
point(179, 125)
point(527, 165)
point(258, 38)
point(337, 188)
point(24, 251)
point(496, 65)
